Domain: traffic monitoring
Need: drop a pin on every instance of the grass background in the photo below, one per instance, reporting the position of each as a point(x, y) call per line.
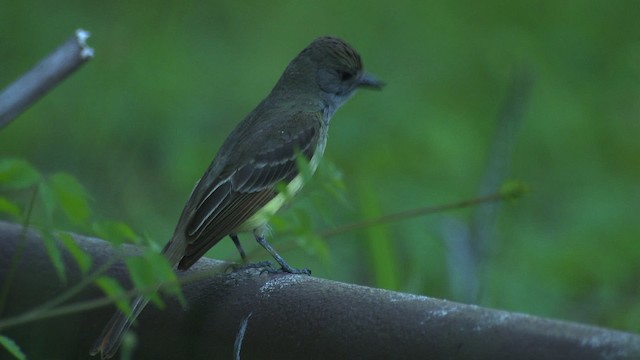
point(139, 124)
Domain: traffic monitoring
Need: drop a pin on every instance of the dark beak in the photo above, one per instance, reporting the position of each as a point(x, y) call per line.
point(370, 82)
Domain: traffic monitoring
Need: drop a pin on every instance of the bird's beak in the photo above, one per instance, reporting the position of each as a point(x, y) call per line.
point(369, 81)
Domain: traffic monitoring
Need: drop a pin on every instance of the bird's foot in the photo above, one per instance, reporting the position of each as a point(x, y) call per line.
point(288, 270)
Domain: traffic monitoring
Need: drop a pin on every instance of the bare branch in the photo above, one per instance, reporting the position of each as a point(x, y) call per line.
point(409, 214)
point(44, 76)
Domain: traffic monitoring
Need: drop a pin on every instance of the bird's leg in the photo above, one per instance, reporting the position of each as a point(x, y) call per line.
point(236, 241)
point(262, 264)
point(285, 267)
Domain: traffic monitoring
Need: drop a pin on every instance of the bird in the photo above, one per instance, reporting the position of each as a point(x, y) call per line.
point(256, 169)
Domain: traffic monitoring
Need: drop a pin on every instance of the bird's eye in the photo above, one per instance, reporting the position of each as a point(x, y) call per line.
point(345, 75)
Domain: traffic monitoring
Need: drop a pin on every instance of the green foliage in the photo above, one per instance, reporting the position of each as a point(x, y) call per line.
point(421, 141)
point(9, 208)
point(58, 192)
point(17, 174)
point(80, 256)
point(71, 197)
point(514, 189)
point(117, 232)
point(48, 199)
point(112, 288)
point(129, 343)
point(50, 243)
point(299, 226)
point(148, 271)
point(296, 223)
point(64, 200)
point(12, 348)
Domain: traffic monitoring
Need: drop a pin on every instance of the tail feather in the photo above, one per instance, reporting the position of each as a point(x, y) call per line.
point(111, 337)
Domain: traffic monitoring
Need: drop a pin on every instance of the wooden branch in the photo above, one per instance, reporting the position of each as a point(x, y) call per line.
point(291, 317)
point(44, 76)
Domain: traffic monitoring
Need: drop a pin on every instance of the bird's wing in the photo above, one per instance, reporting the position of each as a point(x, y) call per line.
point(244, 188)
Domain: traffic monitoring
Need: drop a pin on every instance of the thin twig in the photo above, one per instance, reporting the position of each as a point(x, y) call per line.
point(399, 216)
point(408, 214)
point(49, 309)
point(76, 289)
point(15, 259)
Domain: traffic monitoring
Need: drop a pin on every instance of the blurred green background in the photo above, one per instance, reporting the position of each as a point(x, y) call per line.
point(139, 124)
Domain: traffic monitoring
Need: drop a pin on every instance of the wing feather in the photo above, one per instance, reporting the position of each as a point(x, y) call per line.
point(240, 192)
point(236, 212)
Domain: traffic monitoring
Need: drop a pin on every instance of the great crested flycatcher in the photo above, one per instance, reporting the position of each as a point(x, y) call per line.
point(240, 190)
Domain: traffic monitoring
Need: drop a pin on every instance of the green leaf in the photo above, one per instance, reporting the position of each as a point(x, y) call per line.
point(129, 343)
point(164, 273)
point(140, 273)
point(111, 287)
point(48, 199)
point(80, 256)
point(116, 232)
point(151, 270)
point(72, 197)
point(514, 189)
point(149, 243)
point(54, 253)
point(12, 348)
point(10, 208)
point(18, 174)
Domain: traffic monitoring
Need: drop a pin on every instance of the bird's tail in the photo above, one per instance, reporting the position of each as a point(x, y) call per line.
point(111, 337)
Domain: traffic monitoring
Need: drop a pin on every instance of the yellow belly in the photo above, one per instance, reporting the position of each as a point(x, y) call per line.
point(263, 215)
